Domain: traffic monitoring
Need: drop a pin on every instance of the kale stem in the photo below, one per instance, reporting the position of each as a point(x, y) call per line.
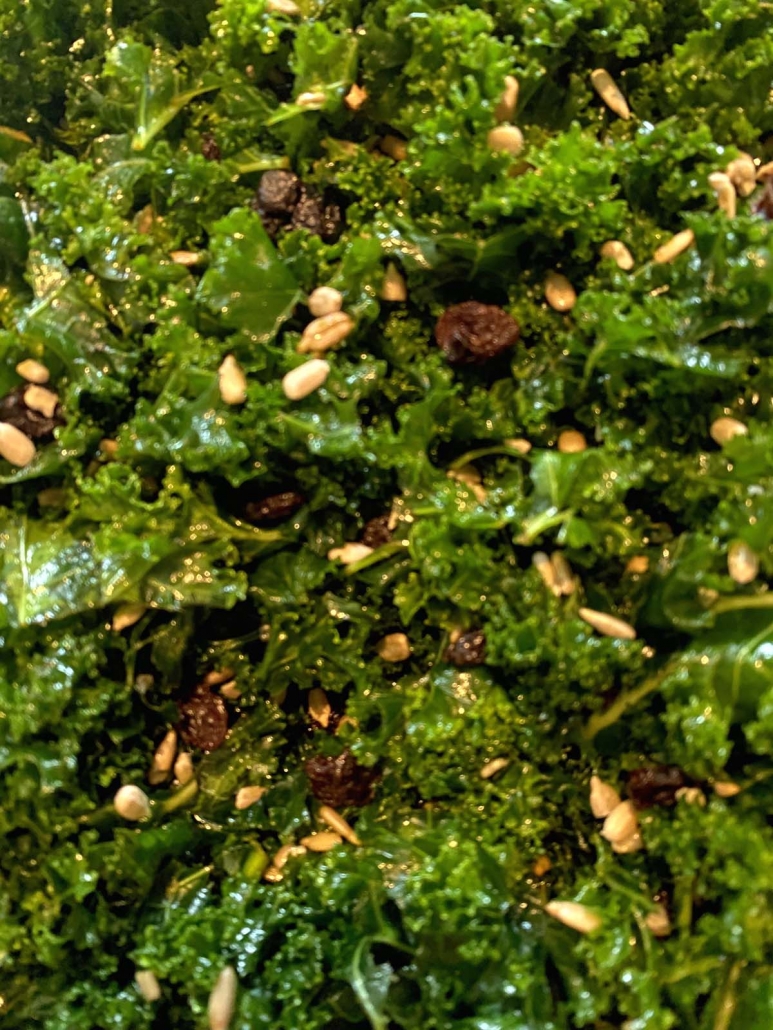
point(736, 604)
point(601, 720)
point(728, 999)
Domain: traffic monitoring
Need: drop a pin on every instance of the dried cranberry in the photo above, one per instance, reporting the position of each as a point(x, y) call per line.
point(272, 509)
point(32, 423)
point(278, 192)
point(764, 204)
point(468, 649)
point(209, 148)
point(340, 781)
point(472, 333)
point(655, 785)
point(377, 532)
point(203, 719)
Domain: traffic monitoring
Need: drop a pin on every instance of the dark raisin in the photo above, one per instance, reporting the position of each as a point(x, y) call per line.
point(203, 719)
point(340, 781)
point(764, 204)
point(469, 649)
point(32, 423)
point(272, 225)
point(209, 148)
point(472, 333)
point(309, 212)
point(377, 532)
point(278, 192)
point(272, 509)
point(655, 785)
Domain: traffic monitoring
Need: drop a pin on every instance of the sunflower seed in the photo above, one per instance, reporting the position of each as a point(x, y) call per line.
point(230, 691)
point(505, 139)
point(608, 625)
point(394, 647)
point(163, 759)
point(288, 7)
point(130, 802)
point(691, 796)
point(312, 99)
point(725, 191)
point(285, 853)
point(147, 984)
point(544, 566)
point(393, 288)
point(505, 109)
point(232, 381)
point(319, 707)
point(723, 429)
point(338, 824)
point(726, 789)
point(349, 553)
point(571, 913)
point(493, 767)
point(222, 1001)
point(247, 796)
point(324, 841)
point(572, 442)
point(305, 379)
point(325, 332)
point(517, 443)
point(609, 91)
point(356, 97)
point(127, 615)
point(658, 922)
point(15, 447)
point(564, 579)
point(742, 172)
point(187, 258)
point(604, 799)
point(742, 563)
point(394, 147)
point(628, 845)
point(619, 253)
point(559, 292)
point(621, 823)
point(217, 676)
point(33, 371)
point(765, 172)
point(324, 301)
point(677, 245)
point(183, 768)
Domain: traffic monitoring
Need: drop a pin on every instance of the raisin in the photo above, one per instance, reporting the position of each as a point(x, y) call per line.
point(764, 204)
point(274, 508)
point(209, 148)
point(655, 785)
point(32, 423)
point(203, 719)
point(468, 649)
point(309, 212)
point(340, 781)
point(377, 532)
point(472, 332)
point(278, 193)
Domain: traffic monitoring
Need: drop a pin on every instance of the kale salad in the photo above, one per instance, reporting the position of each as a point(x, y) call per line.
point(386, 514)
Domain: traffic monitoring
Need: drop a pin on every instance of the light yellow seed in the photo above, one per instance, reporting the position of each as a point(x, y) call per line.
point(325, 333)
point(319, 707)
point(321, 842)
point(187, 258)
point(508, 102)
point(610, 93)
point(393, 288)
point(230, 691)
point(571, 913)
point(131, 802)
point(691, 796)
point(394, 147)
point(637, 565)
point(312, 99)
point(286, 852)
point(607, 625)
point(622, 822)
point(726, 789)
point(273, 875)
point(493, 767)
point(222, 1001)
point(544, 567)
point(15, 447)
point(505, 139)
point(724, 429)
point(287, 7)
point(217, 676)
point(742, 563)
point(338, 824)
point(247, 796)
point(725, 192)
point(183, 768)
point(765, 171)
point(617, 251)
point(232, 381)
point(163, 759)
point(356, 97)
point(324, 301)
point(572, 442)
point(305, 379)
point(394, 647)
point(127, 615)
point(742, 172)
point(672, 248)
point(565, 582)
point(604, 799)
point(559, 292)
point(33, 371)
point(147, 984)
point(517, 443)
point(628, 845)
point(658, 922)
point(349, 553)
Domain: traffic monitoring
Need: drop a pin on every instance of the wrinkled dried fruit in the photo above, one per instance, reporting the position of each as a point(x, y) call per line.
point(209, 148)
point(279, 192)
point(655, 785)
point(17, 413)
point(377, 532)
point(274, 508)
point(203, 720)
point(468, 649)
point(472, 332)
point(340, 781)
